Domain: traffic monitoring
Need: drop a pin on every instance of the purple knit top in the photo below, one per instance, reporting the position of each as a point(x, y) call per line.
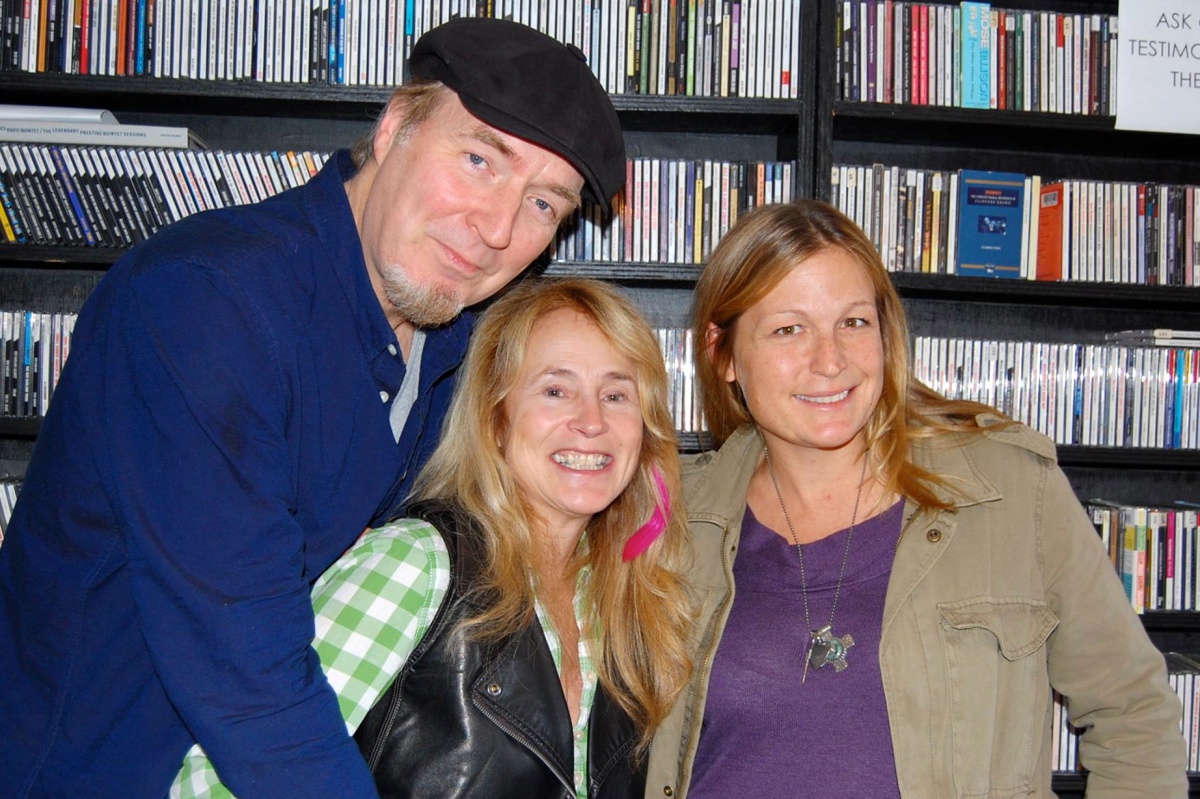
point(765, 734)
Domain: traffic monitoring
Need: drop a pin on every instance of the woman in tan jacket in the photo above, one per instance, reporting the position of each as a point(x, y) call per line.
point(892, 582)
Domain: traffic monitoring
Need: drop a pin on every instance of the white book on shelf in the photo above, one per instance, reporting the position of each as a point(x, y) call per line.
point(1026, 226)
point(1031, 228)
point(93, 133)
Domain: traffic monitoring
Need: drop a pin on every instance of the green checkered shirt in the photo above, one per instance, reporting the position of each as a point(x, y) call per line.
point(587, 670)
point(373, 606)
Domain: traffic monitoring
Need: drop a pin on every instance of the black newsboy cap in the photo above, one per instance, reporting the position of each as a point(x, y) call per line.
point(525, 83)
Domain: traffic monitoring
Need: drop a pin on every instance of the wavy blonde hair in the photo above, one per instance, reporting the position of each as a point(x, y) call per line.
point(748, 263)
point(638, 614)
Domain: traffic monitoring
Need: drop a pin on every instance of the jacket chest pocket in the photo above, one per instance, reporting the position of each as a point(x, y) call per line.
point(999, 691)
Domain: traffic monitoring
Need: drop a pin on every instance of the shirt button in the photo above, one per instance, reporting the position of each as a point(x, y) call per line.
point(579, 736)
point(933, 536)
point(383, 395)
point(392, 349)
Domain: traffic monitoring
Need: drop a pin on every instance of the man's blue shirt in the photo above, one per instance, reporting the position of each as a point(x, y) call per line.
point(219, 437)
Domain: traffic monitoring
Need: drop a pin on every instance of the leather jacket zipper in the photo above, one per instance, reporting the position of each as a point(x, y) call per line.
point(528, 744)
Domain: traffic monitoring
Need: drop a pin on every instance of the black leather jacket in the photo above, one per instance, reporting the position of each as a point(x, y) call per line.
point(482, 720)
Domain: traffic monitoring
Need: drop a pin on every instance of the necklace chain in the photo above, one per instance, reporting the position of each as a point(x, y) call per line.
point(800, 551)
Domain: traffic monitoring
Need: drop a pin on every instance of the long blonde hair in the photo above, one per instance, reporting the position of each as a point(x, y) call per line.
point(638, 618)
point(748, 263)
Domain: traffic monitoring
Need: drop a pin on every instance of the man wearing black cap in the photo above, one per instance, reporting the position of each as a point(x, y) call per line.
point(247, 391)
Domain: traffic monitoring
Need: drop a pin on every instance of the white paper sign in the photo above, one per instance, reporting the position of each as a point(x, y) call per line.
point(1158, 66)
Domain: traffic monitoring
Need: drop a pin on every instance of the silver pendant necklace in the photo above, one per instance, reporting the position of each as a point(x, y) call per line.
point(823, 646)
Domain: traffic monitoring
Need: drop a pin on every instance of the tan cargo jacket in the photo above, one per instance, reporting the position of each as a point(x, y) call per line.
point(1005, 596)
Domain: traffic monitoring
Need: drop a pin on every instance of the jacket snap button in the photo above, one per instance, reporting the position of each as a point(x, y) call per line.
point(494, 689)
point(668, 790)
point(933, 536)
